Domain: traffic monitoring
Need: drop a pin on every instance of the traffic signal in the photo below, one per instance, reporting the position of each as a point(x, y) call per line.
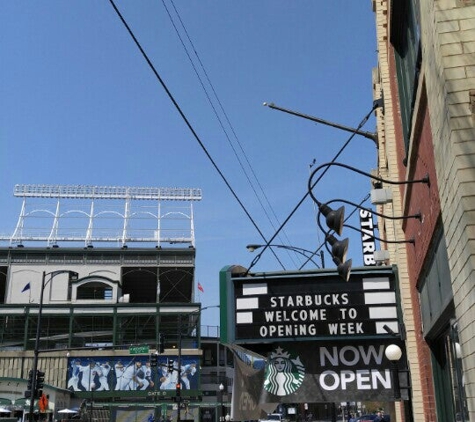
point(161, 343)
point(170, 365)
point(30, 380)
point(178, 389)
point(40, 380)
point(29, 386)
point(153, 360)
point(40, 383)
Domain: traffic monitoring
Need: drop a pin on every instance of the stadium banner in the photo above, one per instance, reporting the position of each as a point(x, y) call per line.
point(133, 374)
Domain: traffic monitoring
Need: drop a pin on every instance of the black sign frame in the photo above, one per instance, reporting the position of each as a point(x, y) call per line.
point(308, 305)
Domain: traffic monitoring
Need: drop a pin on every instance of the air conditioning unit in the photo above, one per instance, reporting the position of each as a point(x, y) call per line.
point(381, 256)
point(381, 196)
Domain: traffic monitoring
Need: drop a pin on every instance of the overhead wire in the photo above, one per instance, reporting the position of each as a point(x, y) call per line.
point(332, 231)
point(188, 124)
point(197, 138)
point(361, 124)
point(226, 117)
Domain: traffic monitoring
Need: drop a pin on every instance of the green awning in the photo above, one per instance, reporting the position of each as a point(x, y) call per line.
point(25, 404)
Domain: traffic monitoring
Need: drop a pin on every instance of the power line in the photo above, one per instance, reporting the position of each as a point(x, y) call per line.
point(187, 122)
point(226, 117)
point(363, 121)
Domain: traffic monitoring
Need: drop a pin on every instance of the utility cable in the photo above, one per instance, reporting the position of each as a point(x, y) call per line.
point(188, 124)
point(362, 123)
point(226, 117)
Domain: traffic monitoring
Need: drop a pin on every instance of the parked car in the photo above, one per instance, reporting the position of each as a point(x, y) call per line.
point(370, 418)
point(366, 418)
point(273, 417)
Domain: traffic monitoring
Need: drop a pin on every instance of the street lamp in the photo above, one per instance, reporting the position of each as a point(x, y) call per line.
point(393, 352)
point(411, 241)
point(180, 341)
point(369, 135)
point(221, 414)
point(36, 352)
point(305, 252)
point(425, 179)
point(178, 381)
point(417, 216)
point(335, 219)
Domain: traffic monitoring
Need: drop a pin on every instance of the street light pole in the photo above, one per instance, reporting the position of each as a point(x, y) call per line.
point(393, 352)
point(221, 412)
point(304, 252)
point(36, 351)
point(178, 385)
point(369, 135)
point(91, 389)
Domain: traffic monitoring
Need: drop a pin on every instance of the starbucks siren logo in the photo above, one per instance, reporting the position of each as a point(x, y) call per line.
point(284, 374)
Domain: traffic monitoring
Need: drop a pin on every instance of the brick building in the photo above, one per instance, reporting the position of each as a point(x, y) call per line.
point(426, 75)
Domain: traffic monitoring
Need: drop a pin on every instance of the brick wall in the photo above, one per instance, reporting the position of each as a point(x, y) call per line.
point(449, 44)
point(391, 155)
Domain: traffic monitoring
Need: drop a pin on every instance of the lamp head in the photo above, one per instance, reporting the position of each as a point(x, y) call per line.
point(393, 352)
point(344, 269)
point(221, 387)
point(333, 218)
point(253, 247)
point(339, 247)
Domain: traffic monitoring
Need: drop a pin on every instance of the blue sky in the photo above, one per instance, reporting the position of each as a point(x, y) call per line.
point(81, 106)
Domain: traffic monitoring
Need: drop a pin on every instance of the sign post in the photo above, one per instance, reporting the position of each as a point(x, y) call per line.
point(139, 350)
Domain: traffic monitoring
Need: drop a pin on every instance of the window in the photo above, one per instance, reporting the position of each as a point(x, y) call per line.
point(448, 377)
point(436, 288)
point(405, 38)
point(95, 290)
point(456, 372)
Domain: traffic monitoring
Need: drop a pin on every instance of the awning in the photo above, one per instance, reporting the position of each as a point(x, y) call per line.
point(25, 404)
point(67, 411)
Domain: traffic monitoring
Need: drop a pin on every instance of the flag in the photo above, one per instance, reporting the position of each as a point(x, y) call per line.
point(200, 288)
point(27, 287)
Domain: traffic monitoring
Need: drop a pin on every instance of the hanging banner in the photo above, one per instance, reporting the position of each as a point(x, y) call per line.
point(305, 372)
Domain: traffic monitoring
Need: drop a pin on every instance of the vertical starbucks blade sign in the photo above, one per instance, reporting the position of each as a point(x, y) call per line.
point(307, 372)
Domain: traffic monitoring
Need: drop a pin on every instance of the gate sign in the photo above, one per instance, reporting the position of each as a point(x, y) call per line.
point(288, 306)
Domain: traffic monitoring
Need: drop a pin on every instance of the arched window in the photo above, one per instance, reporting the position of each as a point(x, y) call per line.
point(94, 290)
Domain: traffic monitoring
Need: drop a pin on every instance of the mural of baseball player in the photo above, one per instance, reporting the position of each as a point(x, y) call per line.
point(104, 370)
point(73, 381)
point(121, 373)
point(187, 371)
